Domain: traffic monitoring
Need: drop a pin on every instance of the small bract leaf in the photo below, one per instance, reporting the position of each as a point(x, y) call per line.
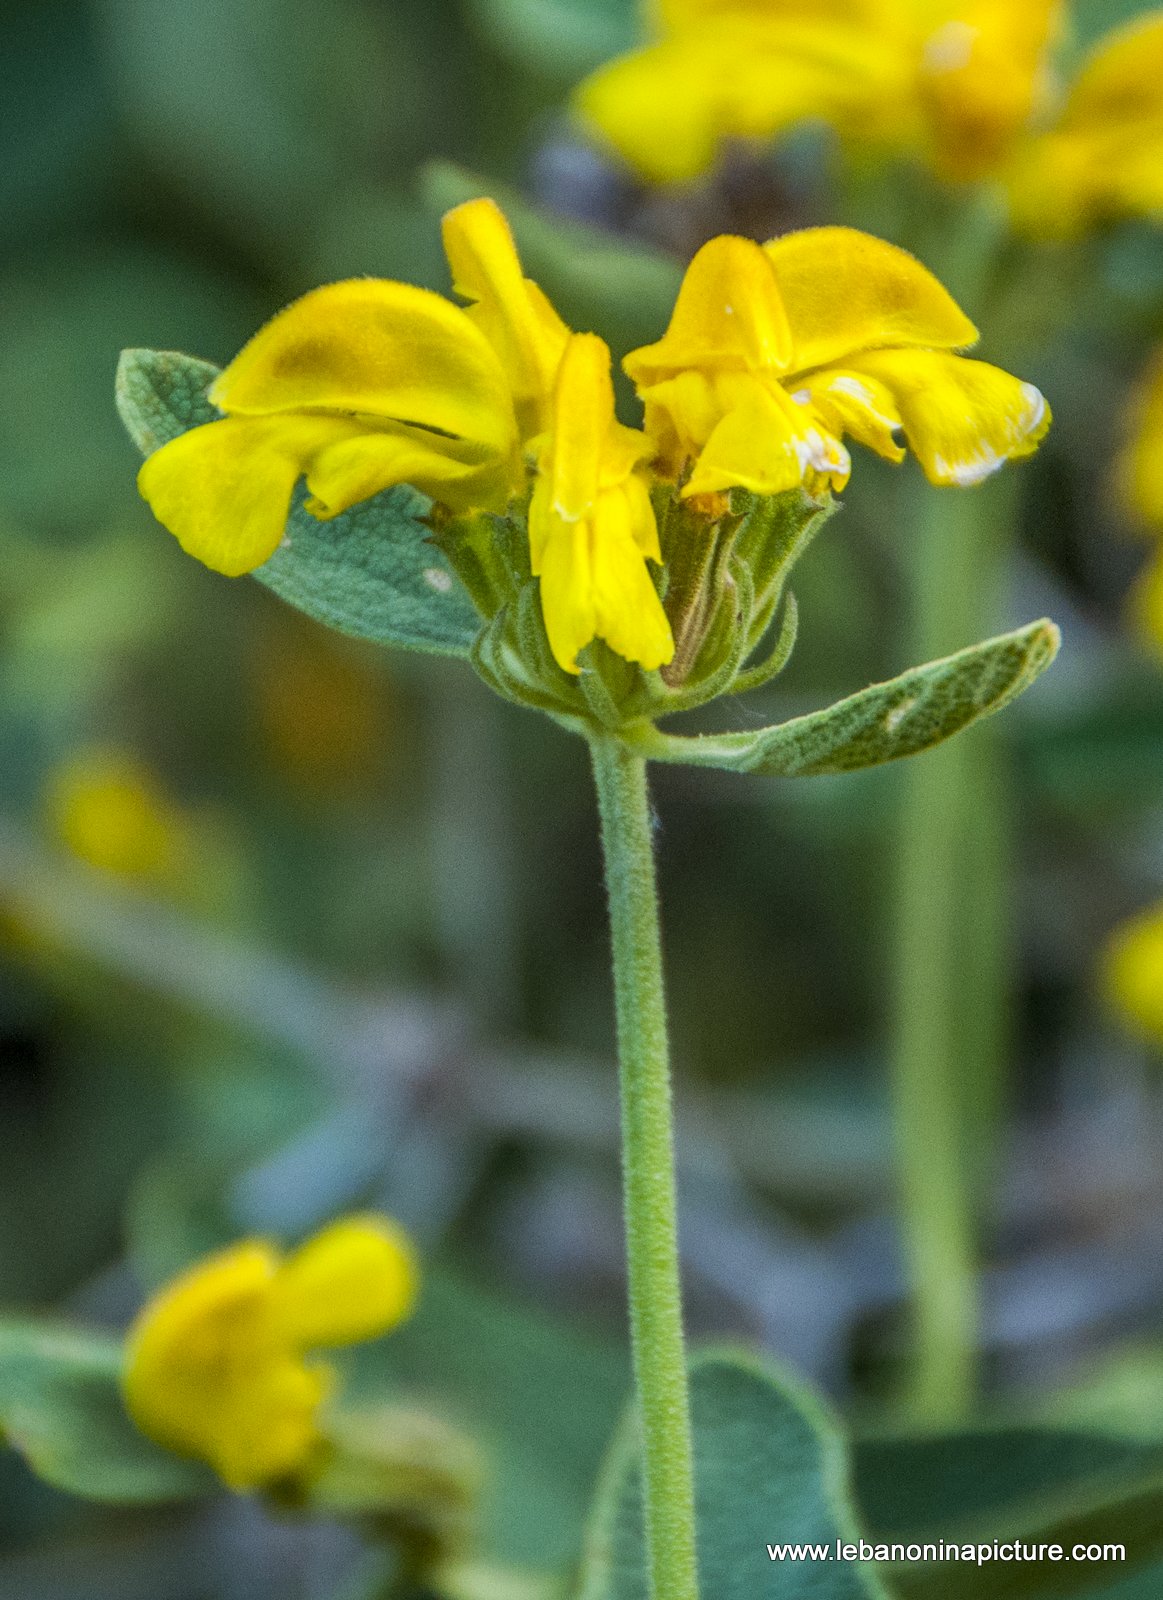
point(373, 572)
point(61, 1408)
point(903, 717)
point(770, 1469)
point(161, 393)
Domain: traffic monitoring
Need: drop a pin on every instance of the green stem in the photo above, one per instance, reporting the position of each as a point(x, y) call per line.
point(648, 1172)
point(950, 1000)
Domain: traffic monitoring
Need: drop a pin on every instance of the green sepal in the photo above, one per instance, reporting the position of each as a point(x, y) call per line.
point(903, 717)
point(373, 572)
point(770, 1468)
point(407, 1472)
point(61, 1408)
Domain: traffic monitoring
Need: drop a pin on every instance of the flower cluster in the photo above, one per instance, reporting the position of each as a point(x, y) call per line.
point(774, 355)
point(966, 85)
point(217, 1363)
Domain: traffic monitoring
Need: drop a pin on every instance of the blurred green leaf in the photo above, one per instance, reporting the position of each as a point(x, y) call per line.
point(904, 717)
point(624, 291)
point(541, 1398)
point(371, 573)
point(563, 39)
point(1040, 1485)
point(770, 1468)
point(60, 1406)
point(1101, 751)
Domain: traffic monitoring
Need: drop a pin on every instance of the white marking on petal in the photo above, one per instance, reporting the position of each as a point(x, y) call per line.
point(845, 384)
point(951, 47)
point(1036, 401)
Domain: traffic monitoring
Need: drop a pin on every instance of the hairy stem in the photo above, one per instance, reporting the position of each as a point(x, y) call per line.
point(648, 1172)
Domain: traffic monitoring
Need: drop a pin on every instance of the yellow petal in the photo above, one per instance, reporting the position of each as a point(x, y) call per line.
point(459, 476)
point(355, 1280)
point(853, 403)
point(595, 582)
point(583, 414)
point(963, 419)
point(224, 490)
point(683, 14)
point(510, 310)
point(768, 442)
point(846, 291)
point(1119, 82)
point(729, 317)
point(982, 79)
point(1141, 467)
point(1146, 605)
point(1132, 972)
point(379, 348)
point(660, 109)
point(750, 73)
point(586, 449)
point(208, 1373)
point(680, 415)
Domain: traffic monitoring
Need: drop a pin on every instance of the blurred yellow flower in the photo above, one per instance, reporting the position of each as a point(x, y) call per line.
point(107, 809)
point(1103, 156)
point(952, 80)
point(775, 352)
point(1132, 972)
point(1141, 486)
point(217, 1363)
point(591, 523)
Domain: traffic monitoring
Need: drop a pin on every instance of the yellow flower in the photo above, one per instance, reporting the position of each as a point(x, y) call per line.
point(356, 387)
point(217, 1363)
point(1103, 156)
point(107, 809)
point(1132, 972)
point(953, 80)
point(775, 352)
point(591, 524)
point(366, 384)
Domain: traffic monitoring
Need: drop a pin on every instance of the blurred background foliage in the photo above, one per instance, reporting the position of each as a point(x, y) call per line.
point(288, 926)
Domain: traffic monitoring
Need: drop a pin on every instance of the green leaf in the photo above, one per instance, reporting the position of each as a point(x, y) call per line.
point(61, 1408)
point(593, 278)
point(771, 1468)
point(373, 572)
point(912, 713)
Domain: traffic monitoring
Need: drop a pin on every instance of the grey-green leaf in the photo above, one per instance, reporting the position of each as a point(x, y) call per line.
point(904, 717)
point(372, 572)
point(61, 1407)
point(771, 1469)
point(162, 393)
